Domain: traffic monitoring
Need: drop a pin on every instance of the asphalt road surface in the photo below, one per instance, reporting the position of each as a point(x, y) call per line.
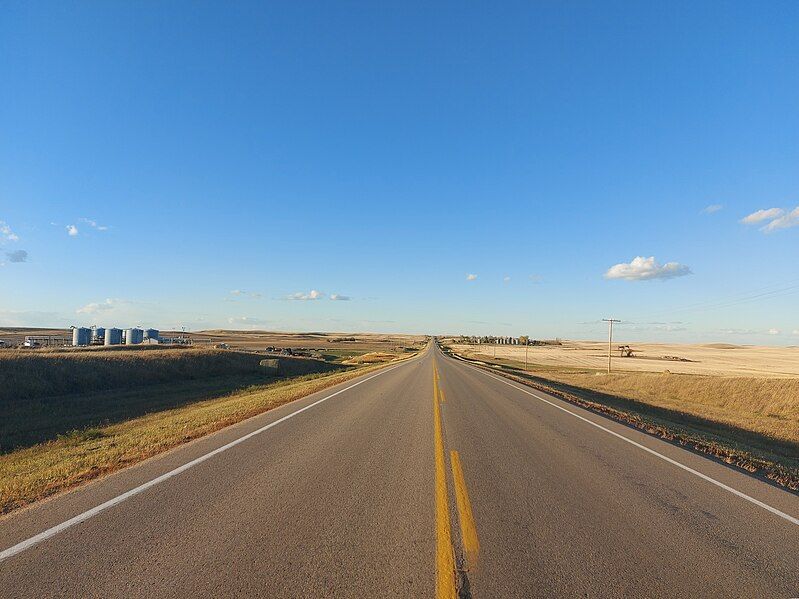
point(429, 478)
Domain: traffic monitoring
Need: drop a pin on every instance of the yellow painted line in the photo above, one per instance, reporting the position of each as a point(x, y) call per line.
point(471, 545)
point(438, 391)
point(445, 559)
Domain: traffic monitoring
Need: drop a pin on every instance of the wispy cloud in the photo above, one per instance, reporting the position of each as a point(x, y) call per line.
point(778, 218)
point(17, 256)
point(337, 297)
point(713, 208)
point(761, 215)
point(72, 230)
point(471, 277)
point(6, 234)
point(536, 278)
point(313, 294)
point(785, 221)
point(773, 331)
point(242, 293)
point(506, 279)
point(643, 269)
point(93, 224)
point(99, 307)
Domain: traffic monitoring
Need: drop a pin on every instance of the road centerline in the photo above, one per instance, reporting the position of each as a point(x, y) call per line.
point(471, 544)
point(445, 559)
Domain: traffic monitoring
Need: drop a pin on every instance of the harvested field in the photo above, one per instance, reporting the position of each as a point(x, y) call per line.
point(717, 359)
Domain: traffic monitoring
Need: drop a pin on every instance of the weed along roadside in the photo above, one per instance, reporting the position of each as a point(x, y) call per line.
point(69, 458)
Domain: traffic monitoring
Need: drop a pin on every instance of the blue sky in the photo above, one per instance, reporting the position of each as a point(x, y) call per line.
point(224, 164)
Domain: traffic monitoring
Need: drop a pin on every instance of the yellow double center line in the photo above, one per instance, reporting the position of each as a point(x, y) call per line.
point(446, 584)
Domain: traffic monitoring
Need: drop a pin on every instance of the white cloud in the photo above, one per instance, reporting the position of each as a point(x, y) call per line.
point(93, 224)
point(773, 331)
point(643, 269)
point(17, 256)
point(536, 278)
point(761, 215)
point(97, 307)
point(337, 297)
point(313, 294)
point(795, 332)
point(471, 277)
point(712, 208)
point(6, 234)
point(252, 294)
point(783, 222)
point(506, 279)
point(72, 230)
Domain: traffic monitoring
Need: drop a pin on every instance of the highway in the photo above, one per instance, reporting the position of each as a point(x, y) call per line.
point(430, 478)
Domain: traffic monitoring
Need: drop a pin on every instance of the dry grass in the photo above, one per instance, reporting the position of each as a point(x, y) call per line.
point(717, 359)
point(41, 373)
point(766, 406)
point(27, 475)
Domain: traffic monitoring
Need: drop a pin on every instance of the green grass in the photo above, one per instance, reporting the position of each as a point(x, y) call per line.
point(340, 355)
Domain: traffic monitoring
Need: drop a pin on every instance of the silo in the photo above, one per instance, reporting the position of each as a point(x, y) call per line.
point(81, 336)
point(151, 334)
point(98, 333)
point(133, 336)
point(113, 336)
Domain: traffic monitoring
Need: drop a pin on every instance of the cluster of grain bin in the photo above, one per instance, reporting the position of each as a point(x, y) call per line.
point(113, 336)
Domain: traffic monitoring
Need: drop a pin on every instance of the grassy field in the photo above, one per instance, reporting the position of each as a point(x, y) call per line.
point(749, 416)
point(32, 473)
point(40, 373)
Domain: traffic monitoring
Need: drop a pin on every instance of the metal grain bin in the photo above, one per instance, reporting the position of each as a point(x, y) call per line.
point(81, 336)
point(151, 334)
point(133, 336)
point(113, 336)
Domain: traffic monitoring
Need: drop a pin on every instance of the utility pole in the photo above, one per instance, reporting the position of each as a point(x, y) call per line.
point(526, 345)
point(610, 322)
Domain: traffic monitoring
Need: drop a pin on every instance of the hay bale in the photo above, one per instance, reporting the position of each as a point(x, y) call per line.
point(271, 366)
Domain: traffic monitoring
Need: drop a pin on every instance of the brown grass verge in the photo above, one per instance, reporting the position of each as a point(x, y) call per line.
point(30, 474)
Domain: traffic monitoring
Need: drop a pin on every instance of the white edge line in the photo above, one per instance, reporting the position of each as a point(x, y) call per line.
point(50, 532)
point(709, 479)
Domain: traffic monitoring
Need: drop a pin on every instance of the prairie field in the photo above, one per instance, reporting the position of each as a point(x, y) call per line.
point(717, 359)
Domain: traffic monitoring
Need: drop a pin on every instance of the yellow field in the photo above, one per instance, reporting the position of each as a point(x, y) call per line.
point(715, 359)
